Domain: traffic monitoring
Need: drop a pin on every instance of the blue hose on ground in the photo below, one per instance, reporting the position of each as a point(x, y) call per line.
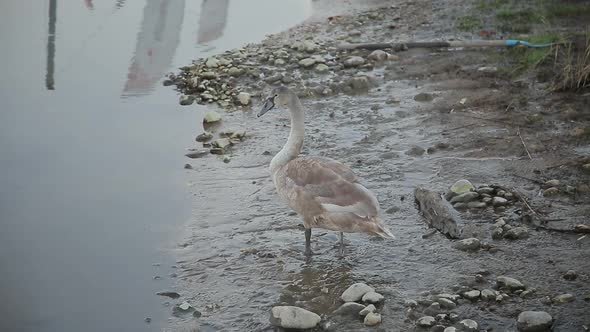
point(514, 42)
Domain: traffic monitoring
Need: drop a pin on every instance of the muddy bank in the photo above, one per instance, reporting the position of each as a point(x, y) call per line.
point(425, 118)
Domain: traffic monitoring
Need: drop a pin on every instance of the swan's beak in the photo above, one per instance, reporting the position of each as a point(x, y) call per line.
point(268, 105)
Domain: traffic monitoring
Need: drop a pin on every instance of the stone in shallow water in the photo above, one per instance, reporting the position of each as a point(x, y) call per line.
point(244, 98)
point(450, 329)
point(465, 197)
point(211, 117)
point(510, 283)
point(499, 201)
point(468, 325)
point(446, 303)
point(290, 317)
point(488, 294)
point(426, 321)
point(373, 297)
point(534, 321)
point(368, 309)
point(355, 292)
point(470, 244)
point(349, 308)
point(423, 97)
point(517, 233)
point(372, 319)
point(563, 298)
point(472, 295)
point(378, 55)
point(354, 61)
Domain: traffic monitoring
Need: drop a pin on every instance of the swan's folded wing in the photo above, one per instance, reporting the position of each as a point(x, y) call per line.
point(327, 185)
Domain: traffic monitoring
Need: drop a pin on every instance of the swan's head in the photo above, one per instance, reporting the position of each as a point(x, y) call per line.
point(279, 97)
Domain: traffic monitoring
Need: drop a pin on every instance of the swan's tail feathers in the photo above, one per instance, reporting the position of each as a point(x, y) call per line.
point(382, 231)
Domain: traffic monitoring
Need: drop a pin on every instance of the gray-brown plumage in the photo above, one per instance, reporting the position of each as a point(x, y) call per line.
point(323, 191)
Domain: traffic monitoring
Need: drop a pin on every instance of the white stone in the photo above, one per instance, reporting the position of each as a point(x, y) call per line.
point(211, 116)
point(510, 283)
point(356, 292)
point(290, 317)
point(372, 319)
point(468, 325)
point(354, 61)
point(462, 186)
point(244, 98)
point(378, 55)
point(426, 321)
point(212, 63)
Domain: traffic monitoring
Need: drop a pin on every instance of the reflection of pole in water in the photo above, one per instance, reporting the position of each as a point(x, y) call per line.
point(212, 20)
point(49, 82)
point(157, 41)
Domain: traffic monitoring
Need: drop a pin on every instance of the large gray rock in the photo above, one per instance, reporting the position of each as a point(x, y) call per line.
point(517, 233)
point(470, 244)
point(563, 298)
point(211, 117)
point(349, 309)
point(378, 55)
point(472, 295)
point(244, 98)
point(488, 295)
point(499, 201)
point(290, 317)
point(509, 283)
point(534, 321)
point(356, 292)
point(446, 303)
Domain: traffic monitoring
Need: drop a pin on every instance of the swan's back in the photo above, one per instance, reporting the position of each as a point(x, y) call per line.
point(316, 186)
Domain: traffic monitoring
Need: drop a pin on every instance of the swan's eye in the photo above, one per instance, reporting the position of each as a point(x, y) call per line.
point(276, 95)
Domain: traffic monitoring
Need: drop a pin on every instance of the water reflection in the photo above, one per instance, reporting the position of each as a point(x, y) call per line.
point(157, 41)
point(49, 80)
point(212, 20)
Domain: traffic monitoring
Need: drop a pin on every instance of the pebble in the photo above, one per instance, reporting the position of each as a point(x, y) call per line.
point(550, 191)
point(468, 325)
point(488, 294)
point(354, 61)
point(446, 303)
point(349, 309)
point(307, 62)
point(510, 283)
point(211, 117)
point(433, 309)
point(517, 233)
point(426, 321)
point(222, 143)
point(415, 151)
point(235, 71)
point(212, 63)
point(499, 201)
point(450, 329)
point(209, 75)
point(423, 97)
point(534, 321)
point(372, 297)
point(290, 317)
point(570, 275)
point(462, 186)
point(368, 309)
point(204, 137)
point(500, 222)
point(322, 68)
point(359, 83)
point(244, 98)
point(563, 298)
point(378, 55)
point(452, 297)
point(551, 183)
point(356, 292)
point(472, 295)
point(470, 244)
point(464, 197)
point(410, 303)
point(485, 190)
point(188, 166)
point(476, 205)
point(197, 154)
point(184, 306)
point(186, 100)
point(372, 319)
point(497, 233)
point(172, 295)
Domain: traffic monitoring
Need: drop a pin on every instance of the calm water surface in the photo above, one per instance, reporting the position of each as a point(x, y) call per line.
point(92, 190)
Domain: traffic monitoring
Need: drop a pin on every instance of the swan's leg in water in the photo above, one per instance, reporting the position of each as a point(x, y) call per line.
point(341, 250)
point(308, 251)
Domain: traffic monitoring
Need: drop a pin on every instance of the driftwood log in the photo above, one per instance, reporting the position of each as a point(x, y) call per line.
point(439, 213)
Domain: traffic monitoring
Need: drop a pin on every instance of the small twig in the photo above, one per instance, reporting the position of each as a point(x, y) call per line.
point(523, 143)
point(508, 107)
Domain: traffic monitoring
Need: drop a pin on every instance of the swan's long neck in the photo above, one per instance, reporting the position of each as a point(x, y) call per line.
point(293, 146)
